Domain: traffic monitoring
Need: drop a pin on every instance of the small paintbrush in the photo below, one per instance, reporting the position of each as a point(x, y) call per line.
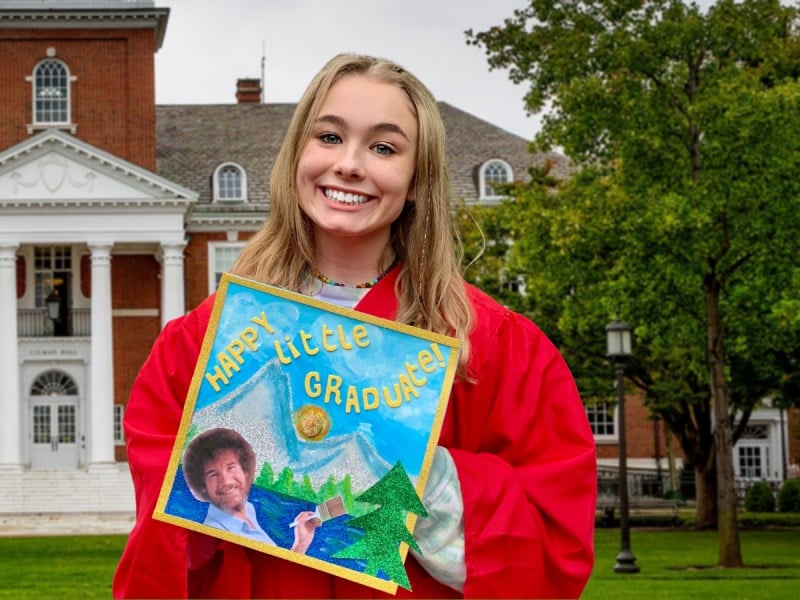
point(330, 509)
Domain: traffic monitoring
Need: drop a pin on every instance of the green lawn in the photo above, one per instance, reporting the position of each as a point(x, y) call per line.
point(674, 564)
point(680, 564)
point(78, 567)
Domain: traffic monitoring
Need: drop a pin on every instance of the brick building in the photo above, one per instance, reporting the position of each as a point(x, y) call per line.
point(118, 215)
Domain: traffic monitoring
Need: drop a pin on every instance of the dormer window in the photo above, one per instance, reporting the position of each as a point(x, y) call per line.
point(493, 174)
point(51, 93)
point(230, 183)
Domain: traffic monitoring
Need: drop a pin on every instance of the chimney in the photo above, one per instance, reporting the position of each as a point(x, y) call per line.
point(248, 91)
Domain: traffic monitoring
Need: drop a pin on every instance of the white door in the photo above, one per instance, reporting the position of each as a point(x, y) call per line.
point(54, 432)
point(53, 421)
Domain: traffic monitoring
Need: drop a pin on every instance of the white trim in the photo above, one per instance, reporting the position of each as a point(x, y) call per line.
point(243, 184)
point(604, 438)
point(70, 79)
point(212, 262)
point(482, 178)
point(771, 419)
point(161, 190)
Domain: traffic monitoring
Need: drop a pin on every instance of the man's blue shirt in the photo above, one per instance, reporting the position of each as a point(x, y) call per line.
point(218, 518)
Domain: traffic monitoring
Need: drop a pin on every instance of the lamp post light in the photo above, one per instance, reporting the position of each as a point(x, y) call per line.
point(618, 337)
point(53, 302)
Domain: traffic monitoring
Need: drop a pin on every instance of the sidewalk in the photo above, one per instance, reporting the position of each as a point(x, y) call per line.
point(45, 524)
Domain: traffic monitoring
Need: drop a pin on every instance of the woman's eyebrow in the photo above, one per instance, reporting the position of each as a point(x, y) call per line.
point(377, 128)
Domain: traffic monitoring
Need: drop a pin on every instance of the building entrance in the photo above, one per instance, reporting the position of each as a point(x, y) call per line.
point(53, 422)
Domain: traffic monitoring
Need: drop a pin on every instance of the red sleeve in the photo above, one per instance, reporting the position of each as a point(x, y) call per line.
point(526, 463)
point(154, 563)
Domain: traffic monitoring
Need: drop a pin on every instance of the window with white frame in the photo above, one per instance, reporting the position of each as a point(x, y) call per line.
point(221, 256)
point(119, 431)
point(602, 419)
point(752, 453)
point(51, 93)
point(50, 264)
point(230, 183)
point(493, 174)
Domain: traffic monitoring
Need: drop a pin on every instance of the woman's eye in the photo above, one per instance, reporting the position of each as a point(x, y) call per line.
point(330, 138)
point(383, 149)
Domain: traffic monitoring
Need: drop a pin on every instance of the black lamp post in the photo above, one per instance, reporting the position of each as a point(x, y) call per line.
point(53, 302)
point(618, 336)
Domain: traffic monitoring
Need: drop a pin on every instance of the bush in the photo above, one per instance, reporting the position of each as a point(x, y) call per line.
point(768, 520)
point(789, 496)
point(759, 498)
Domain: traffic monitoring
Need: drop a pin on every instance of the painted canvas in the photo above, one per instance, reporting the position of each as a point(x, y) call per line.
point(308, 432)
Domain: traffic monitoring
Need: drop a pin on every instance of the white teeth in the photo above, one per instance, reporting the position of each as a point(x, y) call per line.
point(345, 197)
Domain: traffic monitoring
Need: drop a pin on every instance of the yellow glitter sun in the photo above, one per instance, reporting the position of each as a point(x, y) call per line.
point(312, 422)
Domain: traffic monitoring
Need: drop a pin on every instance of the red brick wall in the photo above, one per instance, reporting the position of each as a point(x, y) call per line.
point(196, 264)
point(640, 438)
point(112, 100)
point(20, 276)
point(135, 284)
point(86, 275)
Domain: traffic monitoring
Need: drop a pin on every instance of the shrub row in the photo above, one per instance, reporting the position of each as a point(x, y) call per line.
point(747, 520)
point(760, 498)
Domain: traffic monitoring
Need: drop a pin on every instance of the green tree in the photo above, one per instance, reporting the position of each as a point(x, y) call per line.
point(285, 482)
point(266, 477)
point(690, 121)
point(385, 527)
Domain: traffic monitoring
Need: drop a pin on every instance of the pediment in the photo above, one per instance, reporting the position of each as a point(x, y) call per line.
point(55, 168)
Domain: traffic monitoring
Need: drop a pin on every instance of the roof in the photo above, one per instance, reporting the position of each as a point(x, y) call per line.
point(83, 14)
point(193, 140)
point(75, 4)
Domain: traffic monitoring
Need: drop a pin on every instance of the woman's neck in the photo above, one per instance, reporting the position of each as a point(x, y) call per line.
point(353, 262)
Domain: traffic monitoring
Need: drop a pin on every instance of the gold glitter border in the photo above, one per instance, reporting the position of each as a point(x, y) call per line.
point(188, 412)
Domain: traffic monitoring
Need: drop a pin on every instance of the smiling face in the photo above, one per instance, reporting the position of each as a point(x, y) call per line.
point(226, 483)
point(354, 173)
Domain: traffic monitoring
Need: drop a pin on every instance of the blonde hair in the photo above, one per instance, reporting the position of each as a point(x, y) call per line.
point(430, 289)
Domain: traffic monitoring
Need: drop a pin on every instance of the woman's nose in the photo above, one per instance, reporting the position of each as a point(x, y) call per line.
point(350, 164)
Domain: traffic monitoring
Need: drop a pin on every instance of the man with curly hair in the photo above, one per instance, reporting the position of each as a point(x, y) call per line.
point(219, 466)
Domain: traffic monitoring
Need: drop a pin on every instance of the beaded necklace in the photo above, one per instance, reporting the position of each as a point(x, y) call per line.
point(366, 284)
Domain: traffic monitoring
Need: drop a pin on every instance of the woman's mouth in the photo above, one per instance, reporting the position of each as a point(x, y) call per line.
point(347, 198)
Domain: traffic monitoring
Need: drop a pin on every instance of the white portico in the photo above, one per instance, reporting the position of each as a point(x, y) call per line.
point(68, 209)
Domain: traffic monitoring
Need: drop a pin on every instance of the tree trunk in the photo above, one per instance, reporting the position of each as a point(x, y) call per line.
point(673, 471)
point(730, 553)
point(706, 487)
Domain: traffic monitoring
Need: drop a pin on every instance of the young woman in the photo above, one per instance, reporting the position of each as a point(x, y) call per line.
point(360, 216)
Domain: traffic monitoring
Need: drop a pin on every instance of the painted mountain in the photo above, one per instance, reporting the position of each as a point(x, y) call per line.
point(261, 410)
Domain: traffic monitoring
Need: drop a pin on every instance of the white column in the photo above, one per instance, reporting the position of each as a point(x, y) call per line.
point(10, 399)
point(172, 294)
point(101, 401)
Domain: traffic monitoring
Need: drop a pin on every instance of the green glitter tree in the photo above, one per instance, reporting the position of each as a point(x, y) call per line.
point(385, 527)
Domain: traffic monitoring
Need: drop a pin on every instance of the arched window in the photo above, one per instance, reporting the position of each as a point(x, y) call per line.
point(230, 183)
point(494, 173)
point(54, 383)
point(51, 93)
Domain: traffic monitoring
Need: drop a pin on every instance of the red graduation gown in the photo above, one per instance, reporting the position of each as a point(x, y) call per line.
point(519, 438)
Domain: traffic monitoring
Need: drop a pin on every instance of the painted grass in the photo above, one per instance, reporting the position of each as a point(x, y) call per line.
point(674, 564)
point(681, 564)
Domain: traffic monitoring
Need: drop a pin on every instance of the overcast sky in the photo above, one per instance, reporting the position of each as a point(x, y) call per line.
point(210, 44)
